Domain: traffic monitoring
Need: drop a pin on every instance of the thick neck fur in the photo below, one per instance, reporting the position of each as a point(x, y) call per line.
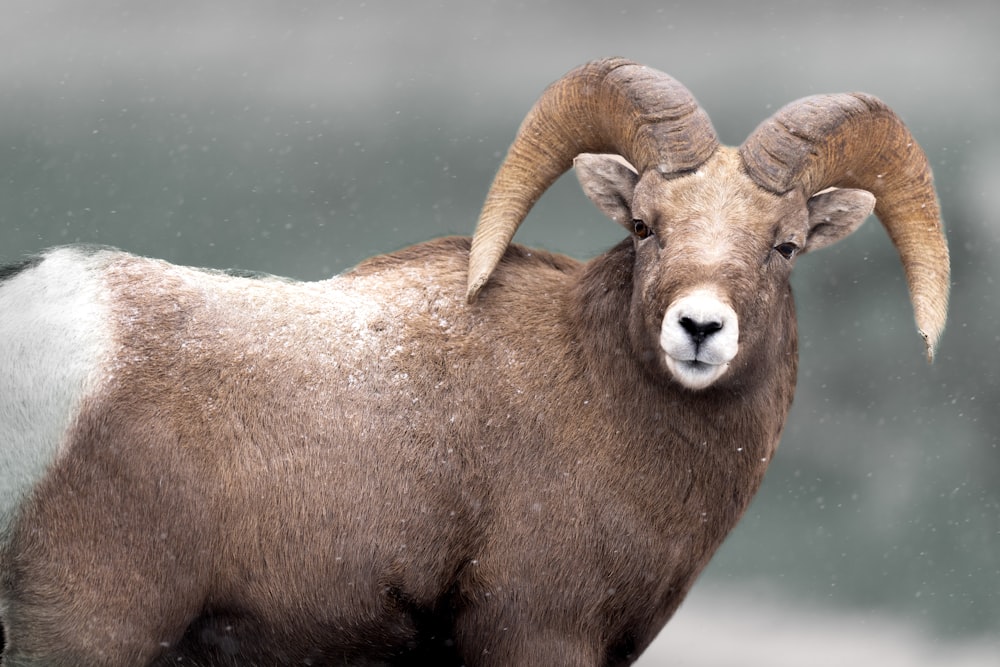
point(718, 440)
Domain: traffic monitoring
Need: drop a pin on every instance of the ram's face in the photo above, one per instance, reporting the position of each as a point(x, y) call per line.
point(713, 256)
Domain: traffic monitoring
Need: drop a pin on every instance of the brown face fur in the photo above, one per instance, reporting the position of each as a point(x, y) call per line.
point(715, 231)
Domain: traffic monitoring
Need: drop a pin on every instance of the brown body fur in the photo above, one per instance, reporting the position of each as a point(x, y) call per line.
point(239, 497)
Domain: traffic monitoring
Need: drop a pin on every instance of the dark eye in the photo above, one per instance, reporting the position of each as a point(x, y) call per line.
point(641, 229)
point(786, 249)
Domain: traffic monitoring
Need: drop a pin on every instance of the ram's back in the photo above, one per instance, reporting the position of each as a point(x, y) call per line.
point(221, 425)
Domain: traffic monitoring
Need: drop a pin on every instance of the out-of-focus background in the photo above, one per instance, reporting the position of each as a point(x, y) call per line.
point(298, 138)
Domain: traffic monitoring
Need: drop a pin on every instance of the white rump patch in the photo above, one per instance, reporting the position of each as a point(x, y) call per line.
point(700, 336)
point(53, 334)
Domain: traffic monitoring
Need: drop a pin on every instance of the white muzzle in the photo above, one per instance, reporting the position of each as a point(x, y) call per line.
point(699, 337)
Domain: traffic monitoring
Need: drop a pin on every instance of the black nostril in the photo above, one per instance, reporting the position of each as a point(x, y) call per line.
point(699, 331)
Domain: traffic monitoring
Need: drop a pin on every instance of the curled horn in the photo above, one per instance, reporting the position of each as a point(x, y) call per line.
point(855, 141)
point(606, 106)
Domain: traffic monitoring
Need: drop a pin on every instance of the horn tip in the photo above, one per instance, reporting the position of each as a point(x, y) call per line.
point(931, 315)
point(930, 343)
point(931, 335)
point(475, 285)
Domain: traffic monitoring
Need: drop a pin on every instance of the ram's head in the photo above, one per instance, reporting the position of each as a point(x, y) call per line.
point(716, 230)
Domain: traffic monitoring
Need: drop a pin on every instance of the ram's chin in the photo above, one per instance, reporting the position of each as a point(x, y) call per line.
point(695, 374)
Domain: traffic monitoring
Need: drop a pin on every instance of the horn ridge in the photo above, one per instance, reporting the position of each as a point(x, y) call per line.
point(854, 140)
point(606, 106)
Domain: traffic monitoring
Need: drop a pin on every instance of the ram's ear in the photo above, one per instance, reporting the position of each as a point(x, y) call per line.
point(835, 214)
point(609, 181)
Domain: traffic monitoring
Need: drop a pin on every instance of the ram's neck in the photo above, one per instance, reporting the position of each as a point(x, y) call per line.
point(713, 444)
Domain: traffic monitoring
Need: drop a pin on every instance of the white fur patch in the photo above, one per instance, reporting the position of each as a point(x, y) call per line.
point(53, 334)
point(696, 363)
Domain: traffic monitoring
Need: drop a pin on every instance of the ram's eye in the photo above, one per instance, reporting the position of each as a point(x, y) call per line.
point(787, 249)
point(641, 229)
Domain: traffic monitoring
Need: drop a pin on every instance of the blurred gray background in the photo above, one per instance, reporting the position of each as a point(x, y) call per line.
point(298, 138)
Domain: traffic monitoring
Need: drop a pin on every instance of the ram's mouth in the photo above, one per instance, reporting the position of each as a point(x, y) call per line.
point(697, 365)
point(695, 373)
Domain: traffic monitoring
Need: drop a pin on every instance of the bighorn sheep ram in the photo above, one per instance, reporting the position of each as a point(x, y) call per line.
point(455, 454)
